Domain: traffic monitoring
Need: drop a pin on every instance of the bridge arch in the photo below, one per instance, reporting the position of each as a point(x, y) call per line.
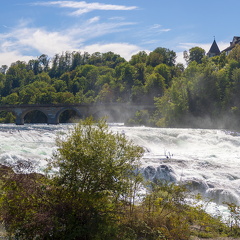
point(61, 111)
point(34, 111)
point(35, 116)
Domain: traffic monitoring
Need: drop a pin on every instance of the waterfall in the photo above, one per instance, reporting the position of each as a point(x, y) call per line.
point(207, 160)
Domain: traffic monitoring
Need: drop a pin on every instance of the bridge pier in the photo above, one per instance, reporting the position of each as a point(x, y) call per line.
point(52, 119)
point(19, 120)
point(19, 116)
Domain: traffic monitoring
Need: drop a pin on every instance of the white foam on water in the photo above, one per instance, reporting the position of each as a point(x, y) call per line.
point(207, 157)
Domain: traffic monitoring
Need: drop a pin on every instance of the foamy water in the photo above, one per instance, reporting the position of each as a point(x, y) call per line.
point(208, 159)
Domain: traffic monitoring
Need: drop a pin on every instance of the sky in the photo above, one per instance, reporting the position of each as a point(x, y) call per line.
point(30, 28)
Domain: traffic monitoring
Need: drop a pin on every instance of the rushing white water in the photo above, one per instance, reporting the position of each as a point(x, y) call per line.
point(208, 159)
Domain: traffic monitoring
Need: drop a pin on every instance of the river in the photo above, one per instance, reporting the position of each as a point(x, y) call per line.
point(208, 159)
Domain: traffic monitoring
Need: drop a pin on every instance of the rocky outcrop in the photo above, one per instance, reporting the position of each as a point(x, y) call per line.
point(162, 172)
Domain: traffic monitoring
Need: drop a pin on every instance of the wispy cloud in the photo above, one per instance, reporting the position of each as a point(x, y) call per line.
point(82, 7)
point(93, 20)
point(117, 18)
point(151, 34)
point(157, 28)
point(22, 41)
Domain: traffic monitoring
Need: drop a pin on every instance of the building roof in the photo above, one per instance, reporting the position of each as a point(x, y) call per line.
point(235, 41)
point(214, 50)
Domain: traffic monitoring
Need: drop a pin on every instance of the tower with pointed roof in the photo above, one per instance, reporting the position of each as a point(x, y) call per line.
point(214, 50)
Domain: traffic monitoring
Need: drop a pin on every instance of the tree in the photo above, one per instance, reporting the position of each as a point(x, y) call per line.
point(2, 81)
point(38, 92)
point(140, 57)
point(165, 71)
point(140, 72)
point(235, 54)
point(43, 77)
point(89, 148)
point(96, 168)
point(155, 87)
point(196, 54)
point(161, 55)
point(173, 106)
point(96, 175)
point(3, 69)
point(15, 77)
point(111, 59)
point(76, 60)
point(12, 98)
point(60, 85)
point(44, 62)
point(105, 94)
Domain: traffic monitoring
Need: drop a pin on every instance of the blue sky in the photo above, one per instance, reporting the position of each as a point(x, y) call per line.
point(29, 28)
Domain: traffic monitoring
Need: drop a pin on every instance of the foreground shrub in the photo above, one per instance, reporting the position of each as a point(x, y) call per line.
point(90, 177)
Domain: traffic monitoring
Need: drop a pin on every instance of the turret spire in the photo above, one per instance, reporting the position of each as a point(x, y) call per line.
point(214, 50)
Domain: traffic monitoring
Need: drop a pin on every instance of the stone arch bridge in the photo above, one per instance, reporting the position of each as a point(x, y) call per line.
point(118, 112)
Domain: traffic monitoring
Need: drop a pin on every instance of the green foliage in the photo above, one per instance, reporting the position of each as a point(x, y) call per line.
point(7, 117)
point(196, 54)
point(235, 54)
point(161, 55)
point(37, 92)
point(141, 117)
point(234, 219)
point(91, 159)
point(206, 88)
point(12, 98)
point(91, 179)
point(155, 86)
point(140, 57)
point(173, 106)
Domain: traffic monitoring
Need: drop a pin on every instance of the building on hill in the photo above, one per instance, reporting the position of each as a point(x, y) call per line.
point(214, 50)
point(235, 41)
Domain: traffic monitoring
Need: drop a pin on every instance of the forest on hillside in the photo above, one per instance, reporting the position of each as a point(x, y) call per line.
point(205, 93)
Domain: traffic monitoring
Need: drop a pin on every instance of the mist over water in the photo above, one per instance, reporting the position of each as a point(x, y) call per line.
point(207, 159)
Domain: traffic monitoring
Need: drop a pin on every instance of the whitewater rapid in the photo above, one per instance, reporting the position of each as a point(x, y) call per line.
point(207, 159)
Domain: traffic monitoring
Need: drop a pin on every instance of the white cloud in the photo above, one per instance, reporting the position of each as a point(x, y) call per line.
point(88, 30)
point(156, 26)
point(21, 42)
point(84, 7)
point(117, 18)
point(93, 20)
point(6, 58)
point(180, 58)
point(27, 39)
